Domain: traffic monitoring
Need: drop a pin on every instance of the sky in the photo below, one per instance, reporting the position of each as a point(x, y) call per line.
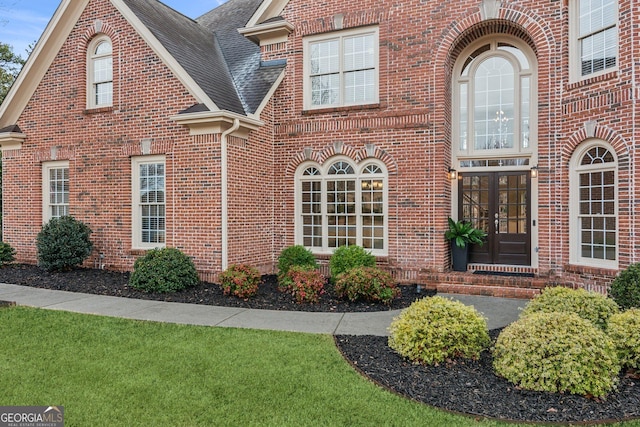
point(23, 21)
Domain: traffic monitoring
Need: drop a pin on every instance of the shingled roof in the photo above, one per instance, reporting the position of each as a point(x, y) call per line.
point(221, 61)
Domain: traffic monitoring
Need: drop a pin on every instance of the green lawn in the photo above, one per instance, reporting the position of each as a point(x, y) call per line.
point(117, 372)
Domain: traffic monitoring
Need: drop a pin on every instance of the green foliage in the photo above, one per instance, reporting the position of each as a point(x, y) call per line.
point(464, 233)
point(240, 280)
point(304, 282)
point(347, 257)
point(591, 306)
point(624, 329)
point(63, 243)
point(367, 283)
point(163, 270)
point(625, 289)
point(10, 66)
point(432, 330)
point(295, 255)
point(557, 352)
point(7, 253)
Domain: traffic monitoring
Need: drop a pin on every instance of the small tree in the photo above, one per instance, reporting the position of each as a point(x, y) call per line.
point(63, 243)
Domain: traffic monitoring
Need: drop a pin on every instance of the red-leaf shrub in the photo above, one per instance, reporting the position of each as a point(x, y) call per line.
point(305, 283)
point(240, 280)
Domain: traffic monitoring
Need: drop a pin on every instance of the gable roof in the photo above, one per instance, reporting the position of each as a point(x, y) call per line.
point(219, 66)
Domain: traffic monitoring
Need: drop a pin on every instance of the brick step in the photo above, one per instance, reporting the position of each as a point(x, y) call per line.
point(499, 285)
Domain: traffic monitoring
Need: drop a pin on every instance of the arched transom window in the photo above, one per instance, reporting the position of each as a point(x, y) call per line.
point(100, 73)
point(493, 83)
point(342, 204)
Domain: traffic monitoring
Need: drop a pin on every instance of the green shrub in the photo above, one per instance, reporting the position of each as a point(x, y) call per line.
point(557, 352)
point(7, 253)
point(163, 270)
point(625, 289)
point(240, 280)
point(624, 329)
point(432, 330)
point(591, 306)
point(347, 257)
point(367, 283)
point(295, 255)
point(63, 243)
point(304, 282)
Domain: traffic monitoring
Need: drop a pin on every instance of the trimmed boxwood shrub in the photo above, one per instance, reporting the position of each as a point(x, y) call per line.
point(303, 282)
point(7, 253)
point(624, 329)
point(347, 257)
point(295, 255)
point(557, 352)
point(163, 270)
point(592, 306)
point(367, 283)
point(625, 289)
point(432, 330)
point(63, 243)
point(240, 280)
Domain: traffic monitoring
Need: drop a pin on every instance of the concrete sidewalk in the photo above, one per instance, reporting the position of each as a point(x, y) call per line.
point(499, 312)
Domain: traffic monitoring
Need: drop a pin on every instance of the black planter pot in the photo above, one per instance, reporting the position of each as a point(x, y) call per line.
point(459, 257)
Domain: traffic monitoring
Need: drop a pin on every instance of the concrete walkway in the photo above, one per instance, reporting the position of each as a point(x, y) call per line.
point(498, 311)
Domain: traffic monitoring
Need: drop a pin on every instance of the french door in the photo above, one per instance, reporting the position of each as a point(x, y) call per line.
point(500, 204)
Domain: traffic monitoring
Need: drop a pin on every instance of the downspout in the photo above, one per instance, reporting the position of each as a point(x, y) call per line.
point(224, 183)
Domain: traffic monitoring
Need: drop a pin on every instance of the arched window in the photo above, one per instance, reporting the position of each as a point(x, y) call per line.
point(100, 73)
point(594, 206)
point(342, 204)
point(493, 85)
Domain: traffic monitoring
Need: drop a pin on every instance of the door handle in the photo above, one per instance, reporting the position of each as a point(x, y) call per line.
point(496, 223)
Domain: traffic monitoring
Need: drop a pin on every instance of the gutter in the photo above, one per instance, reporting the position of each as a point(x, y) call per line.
point(224, 192)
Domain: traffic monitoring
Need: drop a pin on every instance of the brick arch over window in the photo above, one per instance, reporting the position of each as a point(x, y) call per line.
point(592, 130)
point(99, 28)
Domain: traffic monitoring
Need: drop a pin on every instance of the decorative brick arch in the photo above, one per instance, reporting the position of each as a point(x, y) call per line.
point(99, 27)
point(591, 130)
point(369, 151)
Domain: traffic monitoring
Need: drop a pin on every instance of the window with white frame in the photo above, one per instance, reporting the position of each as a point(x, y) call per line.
point(55, 186)
point(494, 85)
point(594, 203)
point(595, 37)
point(100, 73)
point(341, 68)
point(342, 204)
point(149, 217)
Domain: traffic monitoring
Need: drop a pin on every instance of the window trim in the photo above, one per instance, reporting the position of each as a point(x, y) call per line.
point(575, 252)
point(136, 214)
point(340, 35)
point(324, 177)
point(91, 58)
point(575, 57)
point(46, 187)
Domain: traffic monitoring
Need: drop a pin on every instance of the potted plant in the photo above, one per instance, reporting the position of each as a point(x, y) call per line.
point(461, 234)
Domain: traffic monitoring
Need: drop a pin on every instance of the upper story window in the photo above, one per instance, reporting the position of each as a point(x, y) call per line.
point(595, 40)
point(341, 68)
point(149, 217)
point(100, 73)
point(55, 189)
point(494, 88)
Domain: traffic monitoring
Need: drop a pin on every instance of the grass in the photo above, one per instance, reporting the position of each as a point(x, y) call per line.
point(118, 372)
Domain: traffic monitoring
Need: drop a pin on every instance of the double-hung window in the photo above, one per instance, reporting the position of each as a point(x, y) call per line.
point(341, 68)
point(149, 217)
point(100, 73)
point(55, 185)
point(596, 36)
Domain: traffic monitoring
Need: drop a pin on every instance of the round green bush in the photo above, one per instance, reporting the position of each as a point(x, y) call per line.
point(624, 329)
point(592, 306)
point(367, 283)
point(7, 253)
point(432, 330)
point(347, 257)
point(303, 282)
point(240, 280)
point(295, 255)
point(163, 270)
point(557, 352)
point(625, 289)
point(63, 243)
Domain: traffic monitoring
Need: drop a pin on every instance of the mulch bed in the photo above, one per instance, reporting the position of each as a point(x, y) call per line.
point(466, 387)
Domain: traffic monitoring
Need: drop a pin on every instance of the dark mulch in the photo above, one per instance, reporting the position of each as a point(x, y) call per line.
point(470, 387)
point(104, 282)
point(467, 387)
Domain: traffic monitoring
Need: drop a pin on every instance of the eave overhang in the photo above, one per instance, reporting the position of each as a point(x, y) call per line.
point(213, 122)
point(268, 33)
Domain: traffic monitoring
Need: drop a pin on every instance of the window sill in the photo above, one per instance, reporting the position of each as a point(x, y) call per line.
point(591, 269)
point(344, 109)
point(99, 110)
point(592, 80)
